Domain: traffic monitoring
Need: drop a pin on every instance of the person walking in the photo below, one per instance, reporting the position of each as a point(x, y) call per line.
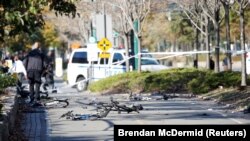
point(211, 65)
point(225, 63)
point(19, 69)
point(35, 64)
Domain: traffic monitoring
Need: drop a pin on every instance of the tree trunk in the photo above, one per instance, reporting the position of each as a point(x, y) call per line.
point(217, 36)
point(217, 48)
point(139, 47)
point(229, 56)
point(243, 48)
point(207, 40)
point(202, 36)
point(196, 47)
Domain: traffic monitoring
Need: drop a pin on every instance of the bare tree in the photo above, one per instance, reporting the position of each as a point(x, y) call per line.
point(84, 22)
point(226, 5)
point(212, 9)
point(195, 14)
point(156, 6)
point(125, 30)
point(135, 10)
point(78, 28)
point(84, 28)
point(242, 4)
point(122, 24)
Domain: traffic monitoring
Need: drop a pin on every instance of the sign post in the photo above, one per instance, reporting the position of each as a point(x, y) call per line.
point(136, 47)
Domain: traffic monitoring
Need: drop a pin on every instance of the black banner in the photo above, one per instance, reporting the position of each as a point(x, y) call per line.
point(174, 132)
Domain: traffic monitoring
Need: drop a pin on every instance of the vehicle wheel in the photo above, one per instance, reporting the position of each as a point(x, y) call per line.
point(81, 85)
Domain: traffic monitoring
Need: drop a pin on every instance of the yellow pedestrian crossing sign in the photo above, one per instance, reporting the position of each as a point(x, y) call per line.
point(104, 44)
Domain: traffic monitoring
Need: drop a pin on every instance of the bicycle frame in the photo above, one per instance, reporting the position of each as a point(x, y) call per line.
point(115, 106)
point(118, 107)
point(70, 115)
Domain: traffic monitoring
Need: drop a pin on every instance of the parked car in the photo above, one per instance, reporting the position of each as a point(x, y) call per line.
point(151, 64)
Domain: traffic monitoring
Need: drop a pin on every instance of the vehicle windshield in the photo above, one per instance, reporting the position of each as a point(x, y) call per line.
point(146, 55)
point(149, 62)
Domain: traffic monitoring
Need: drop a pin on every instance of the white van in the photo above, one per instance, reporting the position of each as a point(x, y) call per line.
point(80, 69)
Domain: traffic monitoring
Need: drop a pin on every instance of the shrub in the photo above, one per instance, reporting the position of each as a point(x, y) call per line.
point(123, 82)
point(6, 81)
point(174, 80)
point(211, 81)
point(196, 86)
point(232, 79)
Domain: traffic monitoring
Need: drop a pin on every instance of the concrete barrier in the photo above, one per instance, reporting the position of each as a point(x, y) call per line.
point(9, 111)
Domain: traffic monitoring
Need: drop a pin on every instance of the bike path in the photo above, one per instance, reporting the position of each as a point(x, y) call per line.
point(35, 124)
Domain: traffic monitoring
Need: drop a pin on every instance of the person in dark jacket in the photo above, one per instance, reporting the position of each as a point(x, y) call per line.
point(35, 64)
point(211, 65)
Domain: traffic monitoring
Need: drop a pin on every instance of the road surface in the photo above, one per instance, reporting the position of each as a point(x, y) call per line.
point(173, 111)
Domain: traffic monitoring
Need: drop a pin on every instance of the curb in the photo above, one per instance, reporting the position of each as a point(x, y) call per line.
point(9, 111)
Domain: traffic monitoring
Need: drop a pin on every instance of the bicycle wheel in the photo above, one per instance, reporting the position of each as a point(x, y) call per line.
point(63, 103)
point(56, 104)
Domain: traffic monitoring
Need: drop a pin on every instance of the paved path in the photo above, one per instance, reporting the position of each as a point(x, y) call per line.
point(35, 124)
point(42, 124)
point(174, 111)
